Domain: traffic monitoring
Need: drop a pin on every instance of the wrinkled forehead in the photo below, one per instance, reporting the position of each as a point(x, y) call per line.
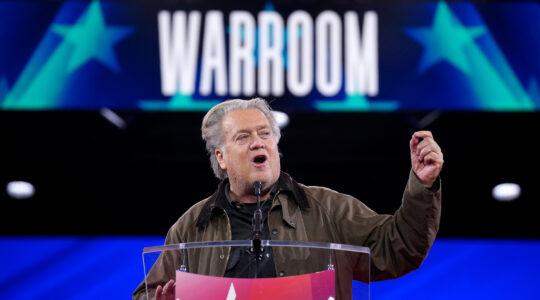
point(244, 120)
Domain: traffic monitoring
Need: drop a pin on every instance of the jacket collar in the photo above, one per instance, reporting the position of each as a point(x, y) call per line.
point(217, 202)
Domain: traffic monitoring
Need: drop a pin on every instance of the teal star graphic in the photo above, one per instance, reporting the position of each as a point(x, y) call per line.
point(445, 40)
point(92, 39)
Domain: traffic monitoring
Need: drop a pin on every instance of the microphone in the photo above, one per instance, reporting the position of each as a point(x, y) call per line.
point(257, 187)
point(257, 225)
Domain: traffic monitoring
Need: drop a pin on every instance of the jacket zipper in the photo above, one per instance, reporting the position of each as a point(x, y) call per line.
point(229, 237)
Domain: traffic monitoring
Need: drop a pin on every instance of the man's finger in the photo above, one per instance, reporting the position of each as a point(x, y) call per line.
point(159, 290)
point(168, 287)
point(419, 137)
point(425, 141)
point(422, 134)
point(433, 158)
point(428, 149)
point(414, 143)
point(428, 143)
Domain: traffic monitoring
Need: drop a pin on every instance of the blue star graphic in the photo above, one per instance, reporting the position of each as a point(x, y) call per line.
point(446, 40)
point(92, 39)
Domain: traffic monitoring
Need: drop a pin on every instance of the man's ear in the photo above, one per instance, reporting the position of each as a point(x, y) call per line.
point(219, 156)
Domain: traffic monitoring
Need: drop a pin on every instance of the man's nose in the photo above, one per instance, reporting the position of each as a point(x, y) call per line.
point(256, 143)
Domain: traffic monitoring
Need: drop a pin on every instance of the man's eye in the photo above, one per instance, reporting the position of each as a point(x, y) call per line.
point(265, 133)
point(241, 137)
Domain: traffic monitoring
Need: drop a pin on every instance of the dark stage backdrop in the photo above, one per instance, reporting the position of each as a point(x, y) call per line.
point(92, 178)
point(349, 130)
point(466, 70)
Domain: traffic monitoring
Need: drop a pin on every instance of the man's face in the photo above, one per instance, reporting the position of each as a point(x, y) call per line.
point(250, 150)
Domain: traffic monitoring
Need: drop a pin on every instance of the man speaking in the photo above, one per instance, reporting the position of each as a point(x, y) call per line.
point(242, 140)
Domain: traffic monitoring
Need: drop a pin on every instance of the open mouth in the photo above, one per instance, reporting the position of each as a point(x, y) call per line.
point(259, 159)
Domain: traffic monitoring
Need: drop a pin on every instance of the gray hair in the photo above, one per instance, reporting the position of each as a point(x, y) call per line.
point(212, 131)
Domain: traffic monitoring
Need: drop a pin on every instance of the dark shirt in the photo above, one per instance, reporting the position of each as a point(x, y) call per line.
point(242, 263)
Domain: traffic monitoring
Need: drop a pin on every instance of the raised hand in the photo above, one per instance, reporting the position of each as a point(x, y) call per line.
point(426, 157)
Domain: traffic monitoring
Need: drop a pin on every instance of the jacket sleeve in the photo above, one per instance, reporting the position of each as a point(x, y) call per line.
point(163, 269)
point(399, 243)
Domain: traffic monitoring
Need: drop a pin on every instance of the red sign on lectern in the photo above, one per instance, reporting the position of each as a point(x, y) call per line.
point(319, 286)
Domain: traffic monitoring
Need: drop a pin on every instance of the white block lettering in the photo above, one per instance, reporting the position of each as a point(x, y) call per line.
point(178, 51)
point(361, 59)
point(270, 54)
point(328, 63)
point(213, 55)
point(241, 53)
point(300, 53)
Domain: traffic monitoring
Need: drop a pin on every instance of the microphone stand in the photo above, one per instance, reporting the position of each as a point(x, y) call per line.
point(256, 244)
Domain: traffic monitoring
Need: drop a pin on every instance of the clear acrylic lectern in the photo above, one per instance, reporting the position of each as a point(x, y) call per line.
point(304, 270)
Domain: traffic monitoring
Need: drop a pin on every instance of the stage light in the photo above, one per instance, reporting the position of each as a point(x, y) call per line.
point(506, 192)
point(113, 117)
point(20, 189)
point(282, 119)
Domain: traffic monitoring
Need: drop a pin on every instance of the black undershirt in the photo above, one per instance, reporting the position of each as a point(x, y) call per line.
point(242, 263)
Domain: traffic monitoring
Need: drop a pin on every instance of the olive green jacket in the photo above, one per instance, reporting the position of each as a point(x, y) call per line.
point(399, 243)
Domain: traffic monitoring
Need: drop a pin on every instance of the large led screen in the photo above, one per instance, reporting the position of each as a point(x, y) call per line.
point(188, 56)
